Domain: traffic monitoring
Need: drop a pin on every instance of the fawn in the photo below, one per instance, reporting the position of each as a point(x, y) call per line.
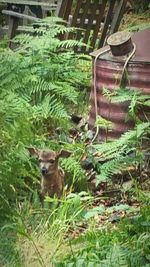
point(52, 179)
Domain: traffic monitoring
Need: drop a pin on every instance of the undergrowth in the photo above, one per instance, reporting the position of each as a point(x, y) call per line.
point(125, 244)
point(42, 83)
point(131, 148)
point(50, 237)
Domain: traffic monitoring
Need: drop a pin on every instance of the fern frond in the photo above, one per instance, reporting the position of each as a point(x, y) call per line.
point(52, 20)
point(39, 83)
point(71, 43)
point(24, 38)
point(72, 165)
point(49, 107)
point(116, 257)
point(127, 140)
point(116, 166)
point(122, 95)
point(11, 106)
point(58, 89)
point(118, 152)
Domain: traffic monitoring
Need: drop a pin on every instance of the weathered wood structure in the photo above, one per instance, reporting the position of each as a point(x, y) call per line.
point(95, 19)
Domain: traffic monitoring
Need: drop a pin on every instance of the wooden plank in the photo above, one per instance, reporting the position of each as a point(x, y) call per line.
point(25, 29)
point(88, 30)
point(83, 19)
point(98, 24)
point(118, 16)
point(27, 2)
point(75, 17)
point(76, 12)
point(61, 8)
point(64, 9)
point(58, 8)
point(68, 9)
point(107, 22)
point(20, 15)
point(88, 16)
point(12, 26)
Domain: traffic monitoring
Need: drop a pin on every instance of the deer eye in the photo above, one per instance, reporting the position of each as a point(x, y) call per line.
point(51, 160)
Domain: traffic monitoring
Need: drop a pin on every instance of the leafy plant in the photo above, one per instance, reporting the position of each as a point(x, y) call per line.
point(40, 84)
point(126, 244)
point(122, 153)
point(36, 236)
point(127, 150)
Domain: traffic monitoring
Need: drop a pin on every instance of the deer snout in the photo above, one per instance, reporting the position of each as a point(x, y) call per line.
point(44, 170)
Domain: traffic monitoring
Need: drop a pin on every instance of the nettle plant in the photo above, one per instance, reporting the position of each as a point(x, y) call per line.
point(40, 84)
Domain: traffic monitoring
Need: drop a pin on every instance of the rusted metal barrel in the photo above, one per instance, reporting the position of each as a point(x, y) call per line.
point(108, 74)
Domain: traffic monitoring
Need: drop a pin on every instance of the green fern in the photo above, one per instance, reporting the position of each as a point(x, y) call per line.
point(72, 165)
point(49, 108)
point(115, 166)
point(118, 152)
point(126, 142)
point(134, 99)
point(40, 84)
point(117, 257)
point(57, 89)
point(43, 67)
point(120, 95)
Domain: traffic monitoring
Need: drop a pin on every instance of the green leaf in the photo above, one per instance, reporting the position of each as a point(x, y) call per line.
point(95, 211)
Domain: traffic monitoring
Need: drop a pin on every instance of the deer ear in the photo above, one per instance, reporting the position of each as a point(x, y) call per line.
point(33, 151)
point(64, 153)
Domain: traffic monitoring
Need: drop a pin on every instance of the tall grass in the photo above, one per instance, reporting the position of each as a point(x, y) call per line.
point(37, 236)
point(52, 236)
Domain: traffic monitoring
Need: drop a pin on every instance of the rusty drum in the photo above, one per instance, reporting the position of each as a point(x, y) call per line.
point(108, 70)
